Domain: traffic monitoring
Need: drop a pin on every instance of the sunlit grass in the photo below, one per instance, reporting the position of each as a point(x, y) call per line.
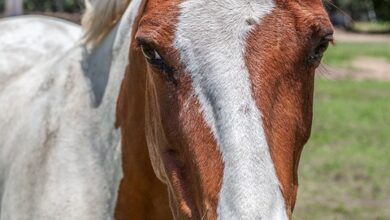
point(345, 167)
point(342, 54)
point(371, 27)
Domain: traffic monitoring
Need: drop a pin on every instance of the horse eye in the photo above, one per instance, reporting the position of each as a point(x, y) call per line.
point(319, 50)
point(150, 54)
point(155, 59)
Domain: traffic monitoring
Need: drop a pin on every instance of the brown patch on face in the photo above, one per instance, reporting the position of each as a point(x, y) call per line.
point(189, 152)
point(140, 191)
point(283, 82)
point(190, 155)
point(165, 126)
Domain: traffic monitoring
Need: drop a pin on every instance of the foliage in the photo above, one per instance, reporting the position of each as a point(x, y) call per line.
point(71, 6)
point(362, 10)
point(50, 5)
point(382, 8)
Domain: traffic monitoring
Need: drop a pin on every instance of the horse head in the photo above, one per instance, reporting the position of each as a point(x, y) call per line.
point(217, 102)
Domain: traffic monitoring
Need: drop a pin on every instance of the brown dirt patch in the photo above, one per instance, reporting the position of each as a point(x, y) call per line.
point(344, 36)
point(362, 68)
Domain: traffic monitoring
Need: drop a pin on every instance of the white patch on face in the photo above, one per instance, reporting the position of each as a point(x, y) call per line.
point(211, 39)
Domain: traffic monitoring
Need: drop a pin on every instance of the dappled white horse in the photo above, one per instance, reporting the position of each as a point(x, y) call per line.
point(29, 39)
point(59, 150)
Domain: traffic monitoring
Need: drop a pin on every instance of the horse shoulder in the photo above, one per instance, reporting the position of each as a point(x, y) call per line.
point(28, 40)
point(47, 150)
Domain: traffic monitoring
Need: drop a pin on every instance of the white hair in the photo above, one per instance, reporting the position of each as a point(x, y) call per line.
point(100, 17)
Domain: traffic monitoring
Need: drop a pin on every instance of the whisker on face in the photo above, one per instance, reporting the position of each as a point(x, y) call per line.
point(323, 72)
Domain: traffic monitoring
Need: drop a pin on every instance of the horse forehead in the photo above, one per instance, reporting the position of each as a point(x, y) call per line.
point(210, 30)
point(226, 15)
point(211, 39)
point(219, 14)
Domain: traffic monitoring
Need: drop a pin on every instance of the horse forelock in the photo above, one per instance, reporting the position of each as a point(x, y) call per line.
point(100, 17)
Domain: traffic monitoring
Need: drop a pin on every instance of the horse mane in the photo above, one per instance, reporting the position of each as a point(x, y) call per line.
point(100, 17)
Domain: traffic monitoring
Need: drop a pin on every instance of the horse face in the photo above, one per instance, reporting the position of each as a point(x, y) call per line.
point(229, 101)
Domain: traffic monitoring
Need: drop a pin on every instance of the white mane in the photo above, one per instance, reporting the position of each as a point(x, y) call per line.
point(100, 17)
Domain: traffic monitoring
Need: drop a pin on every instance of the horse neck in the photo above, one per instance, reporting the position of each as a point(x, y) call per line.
point(105, 66)
point(98, 67)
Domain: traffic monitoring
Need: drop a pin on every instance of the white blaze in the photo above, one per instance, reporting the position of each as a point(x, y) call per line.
point(211, 39)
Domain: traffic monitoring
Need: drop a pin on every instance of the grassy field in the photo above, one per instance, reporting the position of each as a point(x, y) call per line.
point(342, 54)
point(371, 27)
point(345, 167)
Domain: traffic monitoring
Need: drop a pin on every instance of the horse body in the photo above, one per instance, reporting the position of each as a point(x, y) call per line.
point(60, 151)
point(41, 163)
point(192, 109)
point(31, 39)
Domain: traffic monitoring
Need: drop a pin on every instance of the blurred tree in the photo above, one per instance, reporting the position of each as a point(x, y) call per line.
point(13, 7)
point(70, 6)
point(362, 10)
point(73, 5)
point(59, 5)
point(382, 8)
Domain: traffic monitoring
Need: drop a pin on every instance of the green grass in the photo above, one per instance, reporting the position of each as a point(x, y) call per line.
point(345, 167)
point(342, 54)
point(371, 27)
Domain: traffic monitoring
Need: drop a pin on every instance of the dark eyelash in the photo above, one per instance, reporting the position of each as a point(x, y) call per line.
point(161, 66)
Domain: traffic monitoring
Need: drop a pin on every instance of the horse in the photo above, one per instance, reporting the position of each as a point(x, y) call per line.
point(181, 109)
point(29, 39)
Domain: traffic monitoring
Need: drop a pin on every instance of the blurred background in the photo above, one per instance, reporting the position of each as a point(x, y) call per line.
point(345, 167)
point(67, 9)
